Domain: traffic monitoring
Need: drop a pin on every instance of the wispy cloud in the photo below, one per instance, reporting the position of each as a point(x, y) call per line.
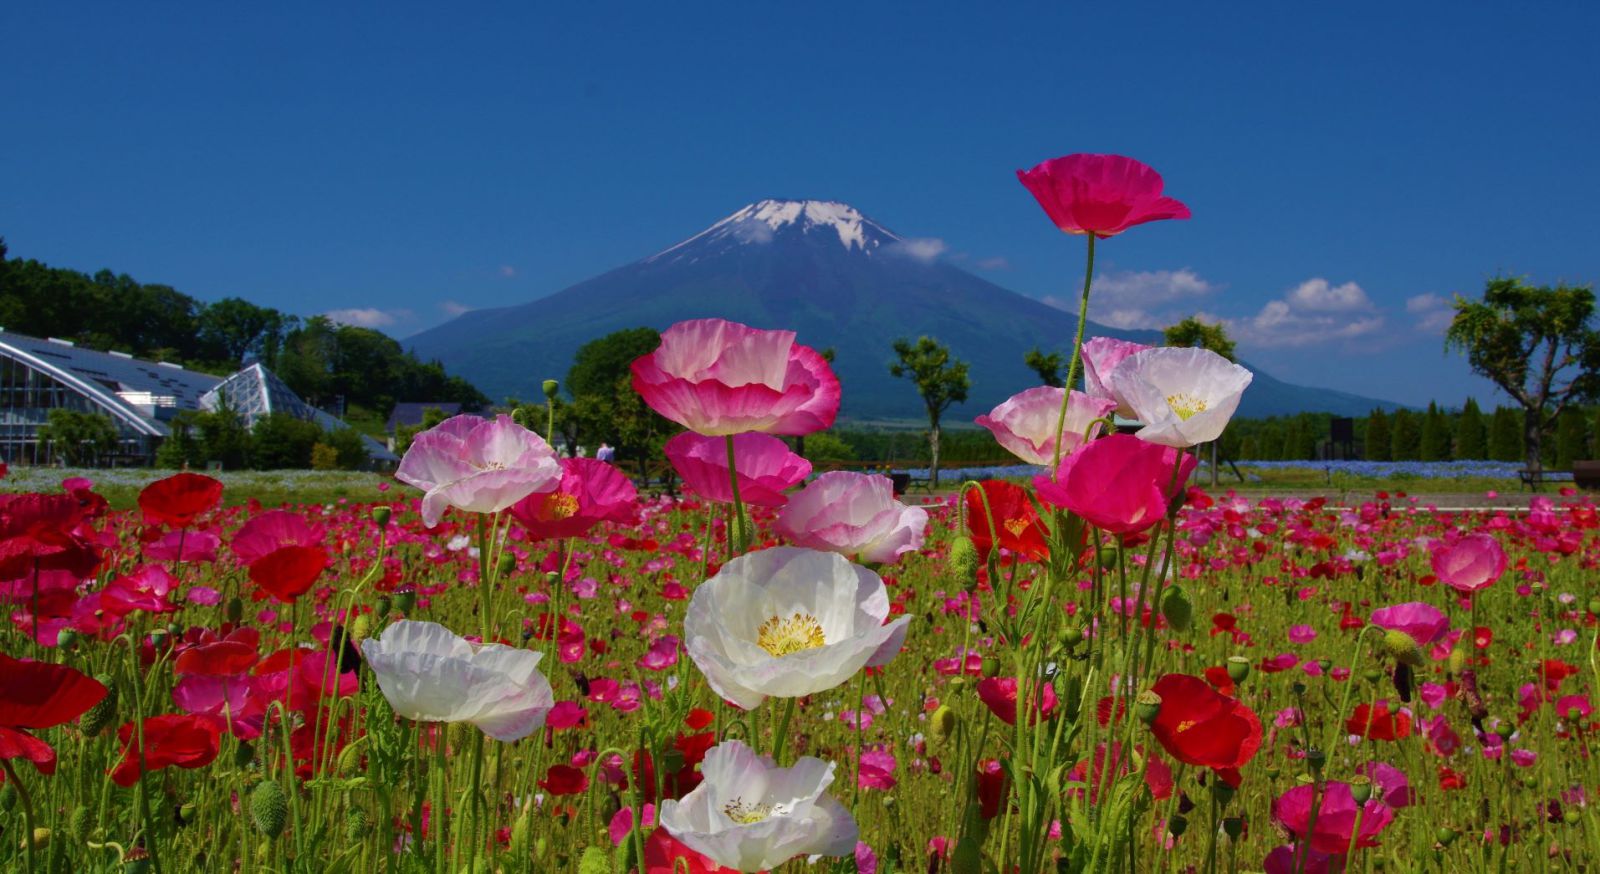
point(370, 317)
point(506, 271)
point(1133, 299)
point(998, 262)
point(920, 248)
point(1433, 312)
point(453, 308)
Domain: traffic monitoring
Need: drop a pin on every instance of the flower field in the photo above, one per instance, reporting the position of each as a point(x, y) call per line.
point(512, 661)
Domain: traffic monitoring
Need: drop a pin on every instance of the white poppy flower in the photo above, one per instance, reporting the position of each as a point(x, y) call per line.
point(748, 814)
point(430, 674)
point(853, 514)
point(1184, 396)
point(788, 622)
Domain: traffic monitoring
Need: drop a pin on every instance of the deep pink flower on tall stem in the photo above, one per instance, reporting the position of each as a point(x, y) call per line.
point(1102, 195)
point(1474, 562)
point(270, 531)
point(1025, 424)
point(1335, 819)
point(1424, 623)
point(591, 492)
point(477, 465)
point(1119, 484)
point(765, 465)
point(717, 377)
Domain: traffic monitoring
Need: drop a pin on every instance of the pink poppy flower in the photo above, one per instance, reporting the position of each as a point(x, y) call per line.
point(184, 545)
point(1101, 356)
point(1424, 623)
point(1288, 859)
point(1102, 195)
point(268, 532)
point(477, 465)
point(1335, 819)
point(1025, 424)
point(716, 378)
point(999, 694)
point(591, 492)
point(1119, 483)
point(146, 589)
point(855, 515)
point(765, 466)
point(876, 769)
point(1390, 784)
point(1302, 634)
point(1471, 563)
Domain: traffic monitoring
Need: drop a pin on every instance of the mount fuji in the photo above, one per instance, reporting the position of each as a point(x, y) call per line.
point(835, 277)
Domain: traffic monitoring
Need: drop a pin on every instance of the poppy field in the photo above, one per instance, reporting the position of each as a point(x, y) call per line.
point(516, 662)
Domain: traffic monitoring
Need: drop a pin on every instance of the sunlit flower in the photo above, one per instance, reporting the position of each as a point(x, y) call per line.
point(1184, 396)
point(430, 674)
point(477, 465)
point(788, 622)
point(36, 695)
point(1119, 483)
point(765, 465)
point(1474, 562)
point(1099, 194)
point(749, 815)
point(1101, 355)
point(1025, 424)
point(591, 492)
point(853, 514)
point(1326, 815)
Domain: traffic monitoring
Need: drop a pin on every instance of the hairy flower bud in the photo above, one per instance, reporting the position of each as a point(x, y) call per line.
point(1402, 648)
point(103, 713)
point(269, 808)
point(963, 562)
point(943, 721)
point(1177, 609)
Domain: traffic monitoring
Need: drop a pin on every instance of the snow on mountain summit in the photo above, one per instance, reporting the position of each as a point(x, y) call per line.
point(767, 220)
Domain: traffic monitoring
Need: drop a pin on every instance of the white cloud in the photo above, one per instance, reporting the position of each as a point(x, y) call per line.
point(920, 248)
point(453, 308)
point(1433, 312)
point(1318, 295)
point(998, 262)
point(1142, 298)
point(369, 317)
point(1311, 313)
point(506, 271)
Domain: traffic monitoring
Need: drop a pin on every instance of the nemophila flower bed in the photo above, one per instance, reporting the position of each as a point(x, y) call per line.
point(1505, 470)
point(521, 665)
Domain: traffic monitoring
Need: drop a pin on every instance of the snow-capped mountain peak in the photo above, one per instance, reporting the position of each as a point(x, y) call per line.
point(764, 221)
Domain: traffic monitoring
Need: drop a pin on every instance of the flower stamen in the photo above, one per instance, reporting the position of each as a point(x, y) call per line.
point(781, 637)
point(1186, 405)
point(749, 814)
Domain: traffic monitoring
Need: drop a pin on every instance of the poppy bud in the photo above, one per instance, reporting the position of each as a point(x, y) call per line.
point(269, 808)
point(158, 637)
point(1233, 826)
point(1594, 606)
point(381, 515)
point(550, 387)
point(1505, 730)
point(1272, 772)
point(186, 812)
point(1316, 758)
point(356, 827)
point(405, 598)
point(234, 611)
point(1402, 648)
point(1297, 687)
point(1372, 675)
point(1238, 669)
point(507, 565)
point(1458, 660)
point(963, 562)
point(1177, 609)
point(1221, 791)
point(382, 606)
point(1360, 788)
point(41, 836)
point(1147, 706)
point(1325, 664)
point(80, 823)
point(1571, 817)
point(1178, 826)
point(944, 721)
point(67, 639)
point(594, 860)
point(1445, 835)
point(349, 760)
point(103, 713)
point(1072, 637)
point(1107, 558)
point(990, 667)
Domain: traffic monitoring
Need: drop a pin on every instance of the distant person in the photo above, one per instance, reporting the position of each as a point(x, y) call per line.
point(605, 453)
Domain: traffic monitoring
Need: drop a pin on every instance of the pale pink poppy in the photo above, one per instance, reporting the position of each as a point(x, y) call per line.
point(855, 515)
point(717, 377)
point(1101, 356)
point(1474, 562)
point(764, 463)
point(1119, 483)
point(477, 465)
point(1025, 424)
point(1424, 623)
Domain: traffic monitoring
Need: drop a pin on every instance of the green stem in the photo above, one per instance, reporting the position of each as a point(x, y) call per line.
point(1076, 359)
point(740, 543)
point(782, 734)
point(27, 808)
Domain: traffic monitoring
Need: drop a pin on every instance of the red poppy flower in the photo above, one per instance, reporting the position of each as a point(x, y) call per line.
point(991, 788)
point(1553, 671)
point(663, 854)
point(1201, 726)
point(1218, 677)
point(1099, 194)
point(222, 658)
point(184, 741)
point(1449, 779)
point(1482, 636)
point(564, 780)
point(177, 500)
point(288, 573)
point(1379, 723)
point(1018, 522)
point(40, 695)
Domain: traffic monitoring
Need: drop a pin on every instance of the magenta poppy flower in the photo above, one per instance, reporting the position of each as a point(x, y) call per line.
point(1101, 355)
point(1336, 817)
point(1025, 424)
point(184, 545)
point(1390, 784)
point(1422, 622)
point(1102, 195)
point(477, 465)
point(716, 378)
point(765, 465)
point(1292, 859)
point(591, 492)
point(999, 694)
point(1471, 563)
point(1119, 483)
point(855, 515)
point(146, 589)
point(270, 531)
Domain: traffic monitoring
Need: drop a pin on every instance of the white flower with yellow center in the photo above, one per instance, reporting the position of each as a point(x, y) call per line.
point(749, 815)
point(1184, 396)
point(788, 622)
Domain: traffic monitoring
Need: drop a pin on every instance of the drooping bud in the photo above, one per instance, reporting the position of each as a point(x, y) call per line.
point(1147, 706)
point(381, 515)
point(356, 825)
point(990, 667)
point(550, 387)
point(1402, 648)
point(360, 629)
point(594, 859)
point(269, 808)
point(1238, 668)
point(507, 564)
point(1458, 660)
point(80, 823)
point(103, 713)
point(1177, 609)
point(234, 611)
point(349, 760)
point(943, 721)
point(963, 562)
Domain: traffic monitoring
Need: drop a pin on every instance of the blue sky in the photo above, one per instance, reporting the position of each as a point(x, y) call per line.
point(1348, 168)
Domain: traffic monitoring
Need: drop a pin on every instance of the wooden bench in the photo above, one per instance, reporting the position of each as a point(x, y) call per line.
point(1586, 474)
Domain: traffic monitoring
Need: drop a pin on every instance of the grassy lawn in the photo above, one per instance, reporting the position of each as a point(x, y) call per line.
point(271, 487)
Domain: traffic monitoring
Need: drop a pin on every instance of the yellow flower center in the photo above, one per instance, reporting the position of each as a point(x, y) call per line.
point(1015, 526)
point(560, 506)
point(781, 637)
point(1185, 405)
point(1184, 726)
point(747, 814)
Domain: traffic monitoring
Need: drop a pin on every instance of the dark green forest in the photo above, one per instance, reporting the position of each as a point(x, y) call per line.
point(357, 371)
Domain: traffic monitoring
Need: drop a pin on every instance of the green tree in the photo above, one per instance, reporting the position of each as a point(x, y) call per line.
point(1435, 439)
point(828, 446)
point(183, 448)
point(1572, 439)
point(1405, 436)
point(1536, 344)
point(1193, 332)
point(349, 447)
point(79, 438)
point(1047, 365)
point(233, 327)
point(1472, 436)
point(1376, 446)
point(283, 442)
point(600, 363)
point(1505, 435)
point(940, 380)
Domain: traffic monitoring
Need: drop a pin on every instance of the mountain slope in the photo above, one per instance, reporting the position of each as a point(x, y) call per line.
point(830, 274)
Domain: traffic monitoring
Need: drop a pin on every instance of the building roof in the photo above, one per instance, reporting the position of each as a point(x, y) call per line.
point(256, 391)
point(408, 413)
